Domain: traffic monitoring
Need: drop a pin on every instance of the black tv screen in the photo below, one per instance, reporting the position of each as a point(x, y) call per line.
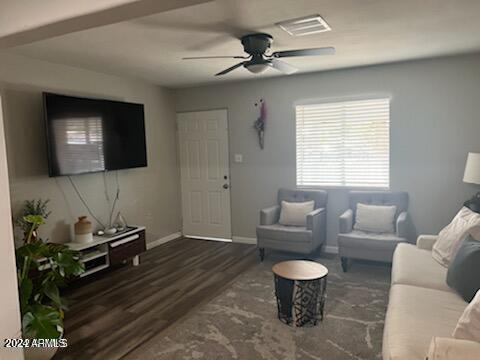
point(92, 135)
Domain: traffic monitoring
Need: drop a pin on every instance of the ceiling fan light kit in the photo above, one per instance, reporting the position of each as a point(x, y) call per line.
point(257, 68)
point(260, 58)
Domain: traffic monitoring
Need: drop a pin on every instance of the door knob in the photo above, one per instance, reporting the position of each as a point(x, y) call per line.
point(225, 186)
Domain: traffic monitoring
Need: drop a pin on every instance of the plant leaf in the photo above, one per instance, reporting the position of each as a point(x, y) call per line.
point(52, 292)
point(26, 287)
point(34, 219)
point(33, 251)
point(41, 322)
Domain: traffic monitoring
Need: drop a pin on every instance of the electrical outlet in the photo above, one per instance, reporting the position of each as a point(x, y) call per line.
point(238, 158)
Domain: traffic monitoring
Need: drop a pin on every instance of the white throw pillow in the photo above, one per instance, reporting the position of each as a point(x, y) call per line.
point(468, 326)
point(375, 218)
point(295, 213)
point(451, 237)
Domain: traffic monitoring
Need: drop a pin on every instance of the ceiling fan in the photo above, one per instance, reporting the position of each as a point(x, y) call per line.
point(259, 58)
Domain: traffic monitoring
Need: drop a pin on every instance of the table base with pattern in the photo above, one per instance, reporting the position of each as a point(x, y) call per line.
point(300, 302)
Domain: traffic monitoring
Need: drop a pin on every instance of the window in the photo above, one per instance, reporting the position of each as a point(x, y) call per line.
point(344, 144)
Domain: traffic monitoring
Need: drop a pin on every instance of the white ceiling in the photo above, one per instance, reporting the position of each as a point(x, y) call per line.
point(26, 21)
point(21, 15)
point(363, 32)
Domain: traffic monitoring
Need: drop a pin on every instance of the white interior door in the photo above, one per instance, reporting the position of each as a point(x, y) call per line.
point(205, 175)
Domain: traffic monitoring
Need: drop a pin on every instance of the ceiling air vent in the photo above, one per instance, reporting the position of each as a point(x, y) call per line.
point(307, 25)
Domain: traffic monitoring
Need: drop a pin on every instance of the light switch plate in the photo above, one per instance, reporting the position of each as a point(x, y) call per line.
point(238, 158)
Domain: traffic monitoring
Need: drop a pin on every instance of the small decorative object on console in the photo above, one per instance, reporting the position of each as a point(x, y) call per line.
point(110, 231)
point(120, 222)
point(83, 230)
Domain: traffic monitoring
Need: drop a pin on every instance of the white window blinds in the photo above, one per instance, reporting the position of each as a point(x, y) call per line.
point(344, 144)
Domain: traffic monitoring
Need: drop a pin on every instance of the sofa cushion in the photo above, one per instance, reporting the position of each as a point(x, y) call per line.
point(363, 239)
point(414, 266)
point(414, 316)
point(453, 349)
point(463, 272)
point(284, 233)
point(375, 218)
point(468, 326)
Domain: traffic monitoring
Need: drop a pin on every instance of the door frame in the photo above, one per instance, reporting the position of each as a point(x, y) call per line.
point(10, 312)
point(180, 175)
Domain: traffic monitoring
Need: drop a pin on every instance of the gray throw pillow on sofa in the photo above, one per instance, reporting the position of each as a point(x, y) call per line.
point(463, 272)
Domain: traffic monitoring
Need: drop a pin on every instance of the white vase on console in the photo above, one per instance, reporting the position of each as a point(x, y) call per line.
point(83, 230)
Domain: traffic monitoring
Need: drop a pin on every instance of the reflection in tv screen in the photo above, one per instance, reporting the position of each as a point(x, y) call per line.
point(89, 135)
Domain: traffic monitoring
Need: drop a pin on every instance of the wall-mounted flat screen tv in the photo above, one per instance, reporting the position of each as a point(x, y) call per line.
point(92, 135)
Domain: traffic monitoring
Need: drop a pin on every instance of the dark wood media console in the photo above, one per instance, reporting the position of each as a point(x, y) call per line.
point(104, 251)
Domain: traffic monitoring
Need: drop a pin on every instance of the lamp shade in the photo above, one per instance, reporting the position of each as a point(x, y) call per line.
point(472, 169)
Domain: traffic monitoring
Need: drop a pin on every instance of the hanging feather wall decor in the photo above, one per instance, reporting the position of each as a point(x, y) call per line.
point(259, 124)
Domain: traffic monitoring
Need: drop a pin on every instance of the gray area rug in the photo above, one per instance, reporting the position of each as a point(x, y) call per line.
point(242, 323)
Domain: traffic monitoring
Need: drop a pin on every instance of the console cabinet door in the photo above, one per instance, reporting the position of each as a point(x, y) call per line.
point(127, 247)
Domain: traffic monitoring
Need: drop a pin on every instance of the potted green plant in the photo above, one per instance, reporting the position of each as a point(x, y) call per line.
point(32, 207)
point(42, 269)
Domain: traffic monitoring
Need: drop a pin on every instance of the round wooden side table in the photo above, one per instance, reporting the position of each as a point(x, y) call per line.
point(300, 288)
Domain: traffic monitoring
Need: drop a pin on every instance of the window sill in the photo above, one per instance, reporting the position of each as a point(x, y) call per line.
point(340, 187)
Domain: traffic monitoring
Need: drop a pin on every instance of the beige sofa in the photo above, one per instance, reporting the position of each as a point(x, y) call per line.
point(423, 311)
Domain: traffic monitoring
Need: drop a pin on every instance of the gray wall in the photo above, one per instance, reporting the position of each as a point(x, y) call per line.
point(149, 196)
point(9, 306)
point(434, 123)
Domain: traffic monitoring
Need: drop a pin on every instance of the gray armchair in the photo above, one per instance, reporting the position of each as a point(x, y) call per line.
point(356, 244)
point(299, 239)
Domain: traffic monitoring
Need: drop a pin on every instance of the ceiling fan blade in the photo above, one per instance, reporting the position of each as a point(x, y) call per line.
point(283, 66)
point(214, 57)
point(304, 52)
point(234, 18)
point(231, 26)
point(236, 23)
point(226, 71)
point(211, 43)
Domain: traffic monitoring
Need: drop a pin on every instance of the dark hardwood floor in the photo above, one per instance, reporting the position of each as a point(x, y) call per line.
point(116, 311)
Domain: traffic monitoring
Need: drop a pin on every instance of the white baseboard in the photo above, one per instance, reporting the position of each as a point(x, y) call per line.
point(244, 240)
point(330, 249)
point(247, 240)
point(207, 238)
point(163, 240)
